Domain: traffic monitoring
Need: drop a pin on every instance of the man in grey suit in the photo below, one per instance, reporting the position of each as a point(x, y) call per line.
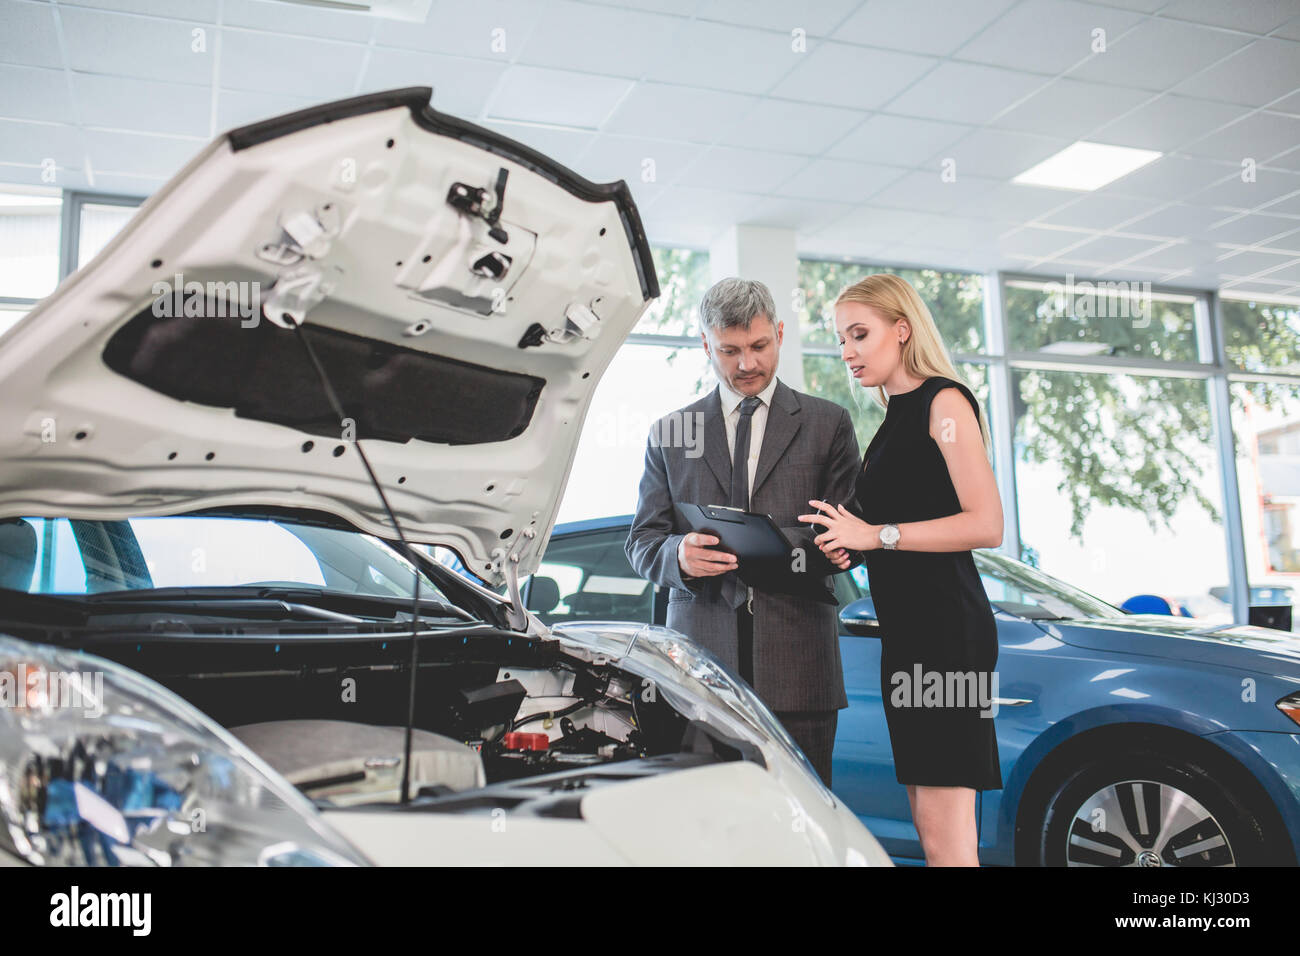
point(765, 448)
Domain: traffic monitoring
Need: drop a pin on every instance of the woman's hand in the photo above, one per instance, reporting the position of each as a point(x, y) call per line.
point(844, 532)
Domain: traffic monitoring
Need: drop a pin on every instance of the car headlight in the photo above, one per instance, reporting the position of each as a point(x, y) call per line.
point(100, 766)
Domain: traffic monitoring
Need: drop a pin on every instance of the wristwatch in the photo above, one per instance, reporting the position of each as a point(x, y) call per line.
point(889, 537)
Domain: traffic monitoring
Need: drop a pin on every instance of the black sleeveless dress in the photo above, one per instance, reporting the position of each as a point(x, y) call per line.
point(934, 615)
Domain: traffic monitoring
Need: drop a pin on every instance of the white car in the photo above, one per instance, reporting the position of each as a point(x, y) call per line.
point(333, 342)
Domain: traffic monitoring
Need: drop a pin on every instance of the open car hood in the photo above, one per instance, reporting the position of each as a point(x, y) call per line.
point(463, 335)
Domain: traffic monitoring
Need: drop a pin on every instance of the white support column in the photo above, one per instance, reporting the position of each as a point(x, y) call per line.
point(768, 255)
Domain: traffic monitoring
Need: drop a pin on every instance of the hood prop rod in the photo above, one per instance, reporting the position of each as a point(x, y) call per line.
point(408, 553)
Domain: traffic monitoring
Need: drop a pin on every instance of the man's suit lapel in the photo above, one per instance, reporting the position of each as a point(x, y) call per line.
point(782, 424)
point(715, 442)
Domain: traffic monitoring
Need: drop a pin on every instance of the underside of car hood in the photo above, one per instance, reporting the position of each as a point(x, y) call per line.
point(461, 293)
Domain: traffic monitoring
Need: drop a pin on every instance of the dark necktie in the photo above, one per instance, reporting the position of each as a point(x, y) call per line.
point(740, 457)
point(733, 589)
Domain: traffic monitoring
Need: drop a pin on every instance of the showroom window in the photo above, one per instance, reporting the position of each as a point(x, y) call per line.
point(29, 250)
point(46, 235)
point(1117, 483)
point(1072, 317)
point(662, 367)
point(1262, 341)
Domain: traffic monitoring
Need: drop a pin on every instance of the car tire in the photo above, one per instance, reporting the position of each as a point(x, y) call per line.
point(1133, 791)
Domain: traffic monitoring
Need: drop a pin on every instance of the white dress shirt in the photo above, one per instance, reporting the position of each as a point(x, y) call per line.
point(731, 416)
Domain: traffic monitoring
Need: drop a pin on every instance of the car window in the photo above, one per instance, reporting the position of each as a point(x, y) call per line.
point(225, 552)
point(585, 576)
point(41, 556)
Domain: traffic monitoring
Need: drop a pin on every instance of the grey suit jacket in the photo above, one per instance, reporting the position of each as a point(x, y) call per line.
point(809, 451)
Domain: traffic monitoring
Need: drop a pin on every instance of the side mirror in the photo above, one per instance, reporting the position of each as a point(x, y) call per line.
point(859, 617)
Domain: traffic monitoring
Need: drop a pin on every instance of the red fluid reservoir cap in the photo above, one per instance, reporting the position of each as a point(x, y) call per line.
point(517, 740)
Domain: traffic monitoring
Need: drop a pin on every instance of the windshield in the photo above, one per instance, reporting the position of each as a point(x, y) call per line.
point(1017, 588)
point(62, 556)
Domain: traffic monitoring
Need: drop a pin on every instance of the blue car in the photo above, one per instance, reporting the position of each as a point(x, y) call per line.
point(1124, 739)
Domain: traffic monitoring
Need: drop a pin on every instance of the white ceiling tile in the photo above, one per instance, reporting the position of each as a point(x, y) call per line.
point(496, 29)
point(27, 35)
point(28, 92)
point(1156, 54)
point(897, 140)
point(138, 153)
point(297, 19)
point(203, 11)
point(123, 185)
point(1182, 255)
point(1257, 16)
point(965, 93)
point(556, 96)
point(34, 143)
point(999, 154)
point(1015, 201)
point(1290, 160)
point(677, 112)
point(928, 192)
point(145, 47)
point(1169, 177)
point(800, 214)
point(1259, 136)
point(746, 170)
point(321, 69)
point(791, 127)
point(1166, 123)
point(1253, 228)
point(1072, 108)
point(870, 223)
point(837, 180)
point(937, 27)
point(717, 209)
point(1111, 249)
point(237, 108)
point(1094, 211)
point(816, 19)
point(1177, 221)
point(678, 7)
point(1251, 261)
point(723, 57)
point(841, 75)
point(563, 145)
point(120, 102)
point(956, 232)
point(461, 85)
point(1269, 184)
point(1254, 76)
point(599, 39)
point(1036, 243)
point(637, 159)
point(1046, 36)
point(1289, 31)
point(1286, 206)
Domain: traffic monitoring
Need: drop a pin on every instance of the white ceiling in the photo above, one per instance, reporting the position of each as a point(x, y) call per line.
point(842, 142)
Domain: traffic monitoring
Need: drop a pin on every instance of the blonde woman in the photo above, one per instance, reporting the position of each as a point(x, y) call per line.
point(924, 498)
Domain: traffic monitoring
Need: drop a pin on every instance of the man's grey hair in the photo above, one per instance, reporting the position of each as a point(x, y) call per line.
point(735, 302)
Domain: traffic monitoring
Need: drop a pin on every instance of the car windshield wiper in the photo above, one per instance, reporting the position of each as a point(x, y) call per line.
point(337, 604)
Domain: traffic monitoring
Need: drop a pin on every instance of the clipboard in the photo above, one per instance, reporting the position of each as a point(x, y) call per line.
point(764, 554)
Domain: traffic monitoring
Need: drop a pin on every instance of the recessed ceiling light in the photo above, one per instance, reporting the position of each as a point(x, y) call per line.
point(1086, 166)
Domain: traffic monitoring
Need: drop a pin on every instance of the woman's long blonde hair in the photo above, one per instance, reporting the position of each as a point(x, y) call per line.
point(924, 354)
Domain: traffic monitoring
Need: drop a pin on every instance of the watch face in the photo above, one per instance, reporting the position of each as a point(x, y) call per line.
point(889, 535)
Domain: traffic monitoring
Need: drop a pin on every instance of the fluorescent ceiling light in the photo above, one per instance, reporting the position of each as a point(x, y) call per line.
point(1085, 166)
